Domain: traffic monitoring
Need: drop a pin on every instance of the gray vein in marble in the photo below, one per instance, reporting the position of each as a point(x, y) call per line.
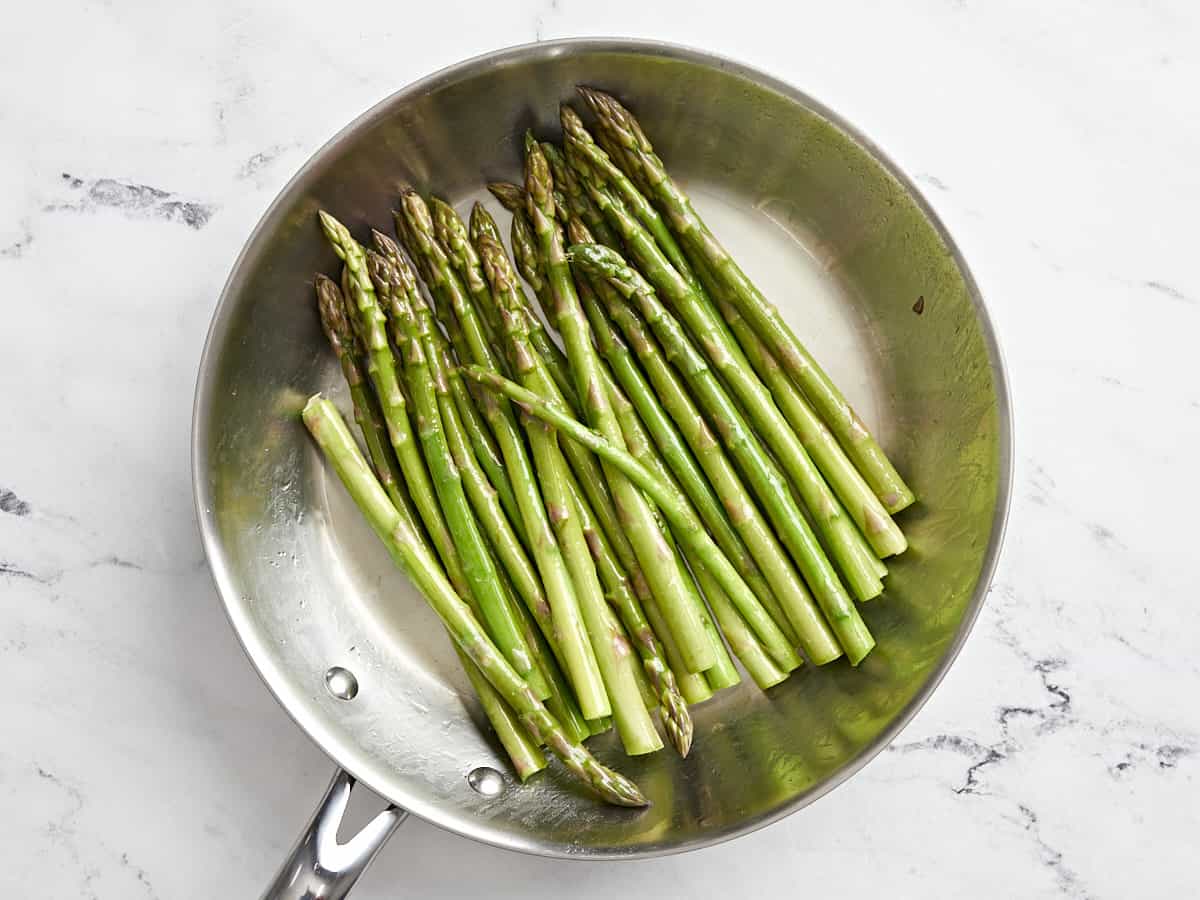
point(1168, 290)
point(140, 874)
point(13, 571)
point(259, 161)
point(140, 200)
point(17, 248)
point(52, 578)
point(1161, 757)
point(62, 831)
point(1066, 877)
point(1042, 484)
point(932, 181)
point(12, 504)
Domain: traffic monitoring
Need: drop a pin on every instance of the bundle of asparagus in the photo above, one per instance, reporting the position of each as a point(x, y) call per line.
point(594, 523)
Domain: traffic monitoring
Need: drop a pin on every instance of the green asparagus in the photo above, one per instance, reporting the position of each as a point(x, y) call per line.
point(647, 540)
point(727, 358)
point(743, 445)
point(478, 564)
point(800, 365)
point(569, 512)
point(524, 753)
point(407, 548)
point(672, 502)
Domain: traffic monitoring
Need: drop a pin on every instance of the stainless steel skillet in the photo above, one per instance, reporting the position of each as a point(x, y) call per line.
point(833, 232)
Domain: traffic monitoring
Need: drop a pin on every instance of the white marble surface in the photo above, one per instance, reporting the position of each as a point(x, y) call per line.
point(140, 756)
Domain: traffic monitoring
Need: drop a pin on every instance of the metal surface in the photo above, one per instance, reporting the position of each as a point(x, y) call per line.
point(319, 868)
point(856, 260)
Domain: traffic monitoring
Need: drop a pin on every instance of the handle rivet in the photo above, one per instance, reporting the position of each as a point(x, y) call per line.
point(487, 781)
point(341, 683)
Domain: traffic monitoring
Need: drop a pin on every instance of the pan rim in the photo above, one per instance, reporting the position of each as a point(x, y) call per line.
point(278, 682)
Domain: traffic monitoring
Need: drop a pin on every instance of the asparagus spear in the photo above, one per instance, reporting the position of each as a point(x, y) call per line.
point(451, 233)
point(584, 466)
point(727, 358)
point(722, 673)
point(874, 523)
point(579, 660)
point(396, 284)
point(796, 601)
point(369, 324)
point(578, 141)
point(671, 501)
point(746, 647)
point(863, 449)
point(482, 443)
point(643, 449)
point(478, 564)
point(407, 548)
point(743, 445)
point(332, 306)
point(649, 545)
point(525, 755)
point(856, 496)
point(555, 359)
point(653, 643)
point(579, 203)
point(616, 582)
point(455, 239)
point(511, 196)
point(669, 443)
point(588, 567)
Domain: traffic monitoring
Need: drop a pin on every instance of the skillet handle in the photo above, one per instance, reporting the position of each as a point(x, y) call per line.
point(319, 868)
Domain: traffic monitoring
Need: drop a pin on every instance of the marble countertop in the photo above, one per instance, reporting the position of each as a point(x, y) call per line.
point(141, 757)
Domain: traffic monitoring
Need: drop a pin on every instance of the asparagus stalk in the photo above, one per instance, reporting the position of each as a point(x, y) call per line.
point(395, 282)
point(511, 196)
point(671, 501)
point(569, 513)
point(481, 441)
point(722, 673)
point(649, 545)
point(370, 325)
point(743, 445)
point(525, 755)
point(414, 225)
point(746, 647)
point(642, 449)
point(579, 661)
point(800, 365)
point(606, 541)
point(579, 141)
point(727, 358)
point(332, 306)
point(580, 205)
point(584, 466)
point(856, 496)
point(396, 287)
point(663, 667)
point(407, 548)
point(451, 233)
point(670, 444)
point(874, 523)
point(797, 603)
point(555, 359)
point(478, 564)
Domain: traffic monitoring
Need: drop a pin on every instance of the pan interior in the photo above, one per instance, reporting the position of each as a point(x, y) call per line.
point(826, 229)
